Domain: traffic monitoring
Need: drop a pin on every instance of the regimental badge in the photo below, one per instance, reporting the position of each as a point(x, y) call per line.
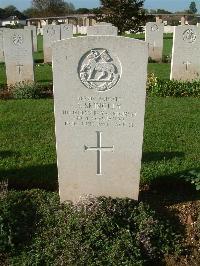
point(51, 31)
point(17, 39)
point(154, 28)
point(99, 70)
point(189, 36)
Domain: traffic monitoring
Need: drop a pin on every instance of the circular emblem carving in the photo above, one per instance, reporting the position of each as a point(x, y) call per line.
point(65, 27)
point(154, 28)
point(99, 70)
point(51, 31)
point(189, 36)
point(17, 39)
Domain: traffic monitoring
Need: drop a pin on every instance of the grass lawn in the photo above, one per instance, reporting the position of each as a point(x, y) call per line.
point(27, 150)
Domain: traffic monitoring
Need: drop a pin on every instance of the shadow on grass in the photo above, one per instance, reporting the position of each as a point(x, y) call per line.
point(6, 154)
point(39, 61)
point(41, 177)
point(170, 189)
point(160, 156)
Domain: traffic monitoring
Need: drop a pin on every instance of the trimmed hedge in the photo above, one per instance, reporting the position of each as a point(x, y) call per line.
point(165, 88)
point(37, 230)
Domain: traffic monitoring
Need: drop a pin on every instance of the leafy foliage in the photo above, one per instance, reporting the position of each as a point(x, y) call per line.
point(193, 8)
point(52, 7)
point(193, 177)
point(124, 14)
point(164, 88)
point(37, 230)
point(27, 90)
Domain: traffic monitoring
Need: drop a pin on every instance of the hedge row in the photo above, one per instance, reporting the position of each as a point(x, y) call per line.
point(37, 230)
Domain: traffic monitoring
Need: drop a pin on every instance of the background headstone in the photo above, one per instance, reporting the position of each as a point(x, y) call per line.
point(18, 51)
point(1, 46)
point(99, 96)
point(51, 33)
point(66, 31)
point(34, 30)
point(154, 38)
point(102, 29)
point(186, 53)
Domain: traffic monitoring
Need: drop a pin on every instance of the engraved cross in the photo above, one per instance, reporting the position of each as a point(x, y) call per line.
point(187, 64)
point(99, 149)
point(19, 68)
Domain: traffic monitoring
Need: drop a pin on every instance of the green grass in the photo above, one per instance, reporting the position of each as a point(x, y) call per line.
point(161, 71)
point(27, 150)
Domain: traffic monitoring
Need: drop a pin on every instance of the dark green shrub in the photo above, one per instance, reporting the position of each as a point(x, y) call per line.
point(26, 90)
point(30, 90)
point(37, 230)
point(164, 88)
point(193, 177)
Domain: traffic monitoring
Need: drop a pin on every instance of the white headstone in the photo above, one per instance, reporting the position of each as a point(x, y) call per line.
point(154, 38)
point(66, 31)
point(1, 46)
point(18, 50)
point(102, 29)
point(34, 30)
point(51, 33)
point(99, 97)
point(186, 53)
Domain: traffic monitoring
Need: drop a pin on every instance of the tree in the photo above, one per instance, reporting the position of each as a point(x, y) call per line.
point(162, 11)
point(193, 8)
point(52, 7)
point(124, 14)
point(30, 12)
point(82, 11)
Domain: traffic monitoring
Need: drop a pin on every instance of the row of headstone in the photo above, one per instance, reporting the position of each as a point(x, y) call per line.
point(185, 63)
point(52, 33)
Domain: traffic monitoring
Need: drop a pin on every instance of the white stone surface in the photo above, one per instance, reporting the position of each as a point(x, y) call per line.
point(154, 38)
point(18, 51)
point(99, 102)
point(66, 31)
point(34, 30)
point(186, 53)
point(51, 33)
point(102, 29)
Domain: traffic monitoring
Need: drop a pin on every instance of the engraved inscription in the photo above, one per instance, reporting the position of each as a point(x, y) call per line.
point(99, 149)
point(187, 65)
point(98, 112)
point(17, 39)
point(99, 70)
point(189, 36)
point(154, 28)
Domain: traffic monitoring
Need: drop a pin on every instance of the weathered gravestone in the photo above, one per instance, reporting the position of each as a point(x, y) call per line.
point(99, 94)
point(102, 29)
point(186, 53)
point(2, 58)
point(18, 50)
point(154, 38)
point(34, 30)
point(51, 33)
point(66, 31)
point(1, 46)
